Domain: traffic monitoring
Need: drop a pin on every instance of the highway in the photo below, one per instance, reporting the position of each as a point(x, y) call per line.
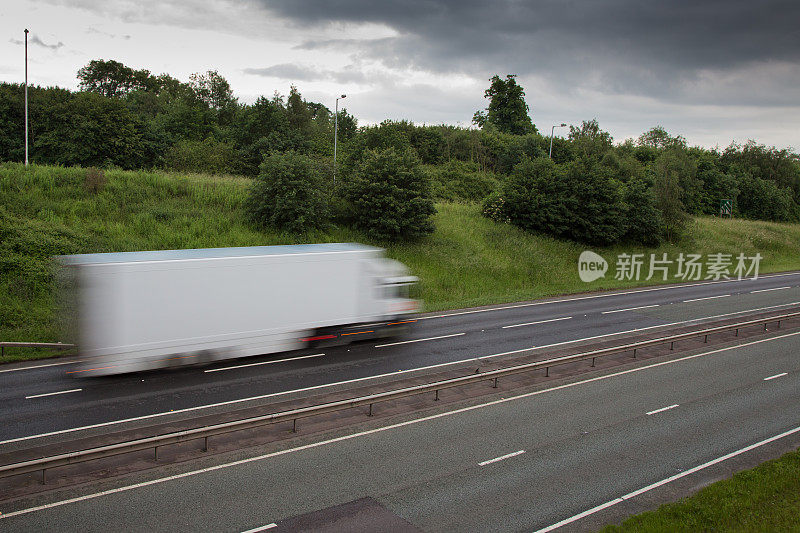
point(41, 398)
point(524, 462)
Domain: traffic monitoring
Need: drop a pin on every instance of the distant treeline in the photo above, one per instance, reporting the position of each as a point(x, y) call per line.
point(132, 119)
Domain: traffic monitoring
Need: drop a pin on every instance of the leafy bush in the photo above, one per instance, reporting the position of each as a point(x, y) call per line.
point(209, 156)
point(494, 207)
point(764, 200)
point(461, 181)
point(388, 196)
point(577, 201)
point(644, 222)
point(289, 194)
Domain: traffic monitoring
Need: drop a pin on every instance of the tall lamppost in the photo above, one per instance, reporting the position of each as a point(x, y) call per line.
point(551, 137)
point(336, 135)
point(26, 97)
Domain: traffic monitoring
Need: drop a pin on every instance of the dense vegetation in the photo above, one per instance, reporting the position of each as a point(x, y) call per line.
point(468, 260)
point(592, 191)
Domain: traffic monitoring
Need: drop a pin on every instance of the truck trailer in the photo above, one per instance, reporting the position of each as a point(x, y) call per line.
point(135, 311)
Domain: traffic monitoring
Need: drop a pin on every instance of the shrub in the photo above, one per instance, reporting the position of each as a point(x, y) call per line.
point(210, 156)
point(388, 196)
point(577, 201)
point(644, 222)
point(289, 194)
point(494, 207)
point(764, 200)
point(461, 181)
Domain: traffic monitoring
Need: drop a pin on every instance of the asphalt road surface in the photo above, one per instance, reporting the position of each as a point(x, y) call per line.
point(524, 462)
point(39, 398)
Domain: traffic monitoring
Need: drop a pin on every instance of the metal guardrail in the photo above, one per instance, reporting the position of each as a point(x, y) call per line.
point(293, 415)
point(53, 345)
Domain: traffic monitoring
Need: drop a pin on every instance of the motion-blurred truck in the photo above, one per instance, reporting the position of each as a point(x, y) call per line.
point(134, 311)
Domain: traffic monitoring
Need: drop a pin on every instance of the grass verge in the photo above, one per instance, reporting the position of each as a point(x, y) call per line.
point(766, 498)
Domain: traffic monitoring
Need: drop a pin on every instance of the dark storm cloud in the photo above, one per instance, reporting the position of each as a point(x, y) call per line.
point(623, 46)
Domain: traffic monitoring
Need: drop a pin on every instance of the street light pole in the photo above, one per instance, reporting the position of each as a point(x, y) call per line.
point(26, 97)
point(551, 137)
point(336, 135)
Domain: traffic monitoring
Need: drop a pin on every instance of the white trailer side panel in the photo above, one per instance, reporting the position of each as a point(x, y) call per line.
point(134, 312)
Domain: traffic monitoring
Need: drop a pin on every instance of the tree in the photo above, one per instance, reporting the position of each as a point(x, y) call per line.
point(507, 109)
point(644, 222)
point(658, 138)
point(112, 78)
point(589, 140)
point(212, 89)
point(388, 196)
point(289, 194)
point(297, 111)
point(671, 168)
point(348, 125)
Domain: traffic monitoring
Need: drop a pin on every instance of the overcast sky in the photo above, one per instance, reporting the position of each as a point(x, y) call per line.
point(712, 71)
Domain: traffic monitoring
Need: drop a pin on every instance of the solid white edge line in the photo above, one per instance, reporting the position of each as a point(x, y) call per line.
point(775, 289)
point(777, 376)
point(264, 363)
point(502, 457)
point(419, 340)
point(386, 428)
point(670, 479)
point(537, 322)
point(365, 378)
point(37, 366)
point(673, 406)
point(629, 309)
point(607, 295)
point(706, 298)
point(262, 528)
point(52, 393)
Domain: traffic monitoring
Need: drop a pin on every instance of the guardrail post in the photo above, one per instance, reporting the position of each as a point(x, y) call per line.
point(155, 452)
point(779, 324)
point(44, 476)
point(370, 410)
point(294, 425)
point(436, 399)
point(737, 332)
point(2, 351)
point(706, 339)
point(593, 361)
point(495, 383)
point(547, 371)
point(765, 326)
point(634, 353)
point(205, 444)
point(672, 345)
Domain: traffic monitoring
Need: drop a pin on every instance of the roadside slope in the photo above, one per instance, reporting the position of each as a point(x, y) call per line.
point(468, 261)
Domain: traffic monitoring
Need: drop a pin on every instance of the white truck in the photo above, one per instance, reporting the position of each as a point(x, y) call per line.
point(134, 311)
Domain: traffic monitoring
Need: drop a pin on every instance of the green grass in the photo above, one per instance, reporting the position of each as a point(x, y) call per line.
point(468, 261)
point(766, 498)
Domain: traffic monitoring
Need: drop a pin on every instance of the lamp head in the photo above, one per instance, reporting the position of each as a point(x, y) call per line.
point(344, 96)
point(563, 124)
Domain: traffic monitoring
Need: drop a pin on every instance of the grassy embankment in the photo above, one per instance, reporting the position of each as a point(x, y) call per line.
point(766, 498)
point(468, 261)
